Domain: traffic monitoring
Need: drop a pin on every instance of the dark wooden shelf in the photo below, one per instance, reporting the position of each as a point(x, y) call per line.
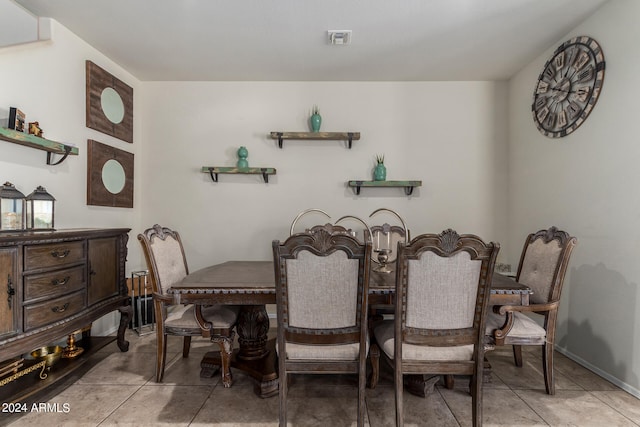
point(407, 185)
point(22, 388)
point(28, 140)
point(335, 136)
point(215, 170)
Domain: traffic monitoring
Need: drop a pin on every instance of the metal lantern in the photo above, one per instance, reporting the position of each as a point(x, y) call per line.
point(40, 209)
point(12, 208)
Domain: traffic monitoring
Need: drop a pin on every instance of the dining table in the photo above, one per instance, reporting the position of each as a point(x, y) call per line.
point(251, 285)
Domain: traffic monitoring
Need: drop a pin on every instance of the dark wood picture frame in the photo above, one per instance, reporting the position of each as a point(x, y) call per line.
point(97, 194)
point(97, 81)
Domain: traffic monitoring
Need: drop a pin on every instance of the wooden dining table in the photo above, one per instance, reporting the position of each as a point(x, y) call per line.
point(251, 284)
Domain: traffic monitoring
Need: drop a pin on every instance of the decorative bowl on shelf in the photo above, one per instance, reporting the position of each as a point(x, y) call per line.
point(50, 354)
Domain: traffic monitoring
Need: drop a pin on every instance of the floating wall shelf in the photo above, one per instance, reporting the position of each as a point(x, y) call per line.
point(336, 136)
point(215, 170)
point(28, 140)
point(407, 185)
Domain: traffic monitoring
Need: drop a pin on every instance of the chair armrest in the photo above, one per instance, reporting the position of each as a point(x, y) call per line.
point(499, 335)
point(532, 308)
point(166, 299)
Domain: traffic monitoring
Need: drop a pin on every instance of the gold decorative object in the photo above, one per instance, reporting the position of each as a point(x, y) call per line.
point(42, 364)
point(71, 350)
point(50, 355)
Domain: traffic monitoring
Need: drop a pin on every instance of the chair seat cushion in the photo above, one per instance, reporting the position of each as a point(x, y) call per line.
point(523, 326)
point(384, 334)
point(184, 316)
point(323, 352)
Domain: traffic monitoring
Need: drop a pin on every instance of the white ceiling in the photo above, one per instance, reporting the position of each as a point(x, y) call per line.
point(286, 40)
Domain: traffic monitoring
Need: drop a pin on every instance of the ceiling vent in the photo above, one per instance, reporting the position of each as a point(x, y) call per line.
point(339, 37)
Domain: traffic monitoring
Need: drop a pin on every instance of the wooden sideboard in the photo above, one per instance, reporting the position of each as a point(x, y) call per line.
point(58, 282)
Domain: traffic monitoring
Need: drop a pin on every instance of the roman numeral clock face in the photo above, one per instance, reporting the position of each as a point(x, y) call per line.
point(568, 87)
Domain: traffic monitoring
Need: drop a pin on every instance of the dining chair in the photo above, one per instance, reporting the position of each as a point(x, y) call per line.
point(443, 286)
point(543, 265)
point(322, 282)
point(167, 265)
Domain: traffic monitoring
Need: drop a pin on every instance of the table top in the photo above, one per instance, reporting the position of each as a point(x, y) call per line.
point(257, 277)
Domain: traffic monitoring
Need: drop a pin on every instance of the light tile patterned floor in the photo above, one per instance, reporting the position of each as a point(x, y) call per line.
point(120, 390)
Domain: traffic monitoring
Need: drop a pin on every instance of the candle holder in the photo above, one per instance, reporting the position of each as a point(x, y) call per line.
point(383, 258)
point(71, 350)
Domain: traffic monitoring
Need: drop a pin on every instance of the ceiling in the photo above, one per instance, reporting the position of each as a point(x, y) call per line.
point(286, 40)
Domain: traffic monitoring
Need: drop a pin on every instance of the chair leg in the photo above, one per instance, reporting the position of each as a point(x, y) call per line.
point(449, 382)
point(547, 367)
point(186, 346)
point(374, 356)
point(161, 354)
point(476, 398)
point(517, 355)
point(226, 349)
point(399, 388)
point(282, 396)
point(362, 384)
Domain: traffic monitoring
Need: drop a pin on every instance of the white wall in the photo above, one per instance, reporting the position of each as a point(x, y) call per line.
point(450, 135)
point(46, 80)
point(586, 184)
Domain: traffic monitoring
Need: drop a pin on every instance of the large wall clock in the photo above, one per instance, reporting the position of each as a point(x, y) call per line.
point(568, 87)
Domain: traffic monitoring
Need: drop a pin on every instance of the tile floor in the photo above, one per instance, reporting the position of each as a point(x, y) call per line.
point(120, 390)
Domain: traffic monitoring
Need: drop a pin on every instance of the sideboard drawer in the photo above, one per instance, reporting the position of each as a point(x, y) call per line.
point(36, 315)
point(54, 283)
point(53, 255)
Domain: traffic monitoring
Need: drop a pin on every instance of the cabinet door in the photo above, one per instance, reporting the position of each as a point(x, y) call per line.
point(103, 269)
point(8, 291)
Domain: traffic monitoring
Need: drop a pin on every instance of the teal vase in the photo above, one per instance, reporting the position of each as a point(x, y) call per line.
point(380, 172)
point(243, 153)
point(316, 121)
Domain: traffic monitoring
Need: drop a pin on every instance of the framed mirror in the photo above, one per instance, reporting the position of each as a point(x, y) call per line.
point(109, 176)
point(109, 103)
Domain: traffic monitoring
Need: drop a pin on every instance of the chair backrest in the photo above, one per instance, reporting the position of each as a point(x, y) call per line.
point(322, 281)
point(443, 282)
point(165, 257)
point(387, 236)
point(543, 263)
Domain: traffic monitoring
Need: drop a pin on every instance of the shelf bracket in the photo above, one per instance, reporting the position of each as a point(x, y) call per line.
point(67, 150)
point(350, 134)
point(214, 176)
point(265, 176)
point(408, 190)
point(279, 139)
point(357, 187)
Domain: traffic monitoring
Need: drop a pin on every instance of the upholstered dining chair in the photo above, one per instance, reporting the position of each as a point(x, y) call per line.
point(443, 283)
point(543, 264)
point(167, 265)
point(322, 282)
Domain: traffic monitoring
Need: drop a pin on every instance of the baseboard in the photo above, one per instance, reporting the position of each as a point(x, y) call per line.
point(616, 381)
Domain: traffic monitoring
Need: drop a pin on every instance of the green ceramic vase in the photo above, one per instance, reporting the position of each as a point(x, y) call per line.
point(316, 121)
point(380, 172)
point(243, 153)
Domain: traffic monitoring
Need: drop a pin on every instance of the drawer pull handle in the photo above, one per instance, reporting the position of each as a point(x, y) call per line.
point(58, 309)
point(57, 254)
point(58, 282)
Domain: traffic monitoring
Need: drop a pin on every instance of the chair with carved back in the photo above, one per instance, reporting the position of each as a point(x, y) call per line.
point(322, 281)
point(543, 265)
point(167, 265)
point(443, 283)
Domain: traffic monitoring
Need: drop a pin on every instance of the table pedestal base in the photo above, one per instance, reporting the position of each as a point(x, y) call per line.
point(263, 370)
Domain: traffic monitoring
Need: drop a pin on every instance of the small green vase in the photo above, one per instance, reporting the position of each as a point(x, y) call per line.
point(380, 172)
point(243, 153)
point(316, 121)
